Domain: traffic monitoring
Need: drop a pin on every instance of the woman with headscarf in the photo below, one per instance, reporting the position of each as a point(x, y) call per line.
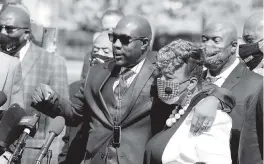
point(180, 88)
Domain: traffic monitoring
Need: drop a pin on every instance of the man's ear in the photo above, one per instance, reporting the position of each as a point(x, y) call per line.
point(145, 44)
point(234, 47)
point(193, 83)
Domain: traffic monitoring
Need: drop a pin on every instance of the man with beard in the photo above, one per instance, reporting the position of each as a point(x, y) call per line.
point(114, 102)
point(38, 66)
point(251, 139)
point(225, 70)
point(252, 52)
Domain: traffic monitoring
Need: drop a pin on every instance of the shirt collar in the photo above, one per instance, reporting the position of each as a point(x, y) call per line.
point(227, 72)
point(23, 51)
point(136, 69)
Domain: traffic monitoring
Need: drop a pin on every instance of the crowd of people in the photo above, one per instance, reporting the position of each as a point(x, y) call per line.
point(188, 103)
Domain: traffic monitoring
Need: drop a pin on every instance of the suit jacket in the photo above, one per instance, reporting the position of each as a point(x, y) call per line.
point(11, 80)
point(251, 138)
point(176, 145)
point(245, 86)
point(39, 66)
point(90, 108)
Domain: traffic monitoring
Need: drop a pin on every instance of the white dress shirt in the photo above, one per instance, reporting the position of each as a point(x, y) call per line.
point(211, 147)
point(222, 76)
point(136, 69)
point(23, 51)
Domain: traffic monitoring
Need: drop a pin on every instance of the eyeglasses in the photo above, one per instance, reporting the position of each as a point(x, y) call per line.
point(124, 39)
point(11, 29)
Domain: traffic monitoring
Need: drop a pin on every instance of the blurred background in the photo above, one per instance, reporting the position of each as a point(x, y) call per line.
point(67, 26)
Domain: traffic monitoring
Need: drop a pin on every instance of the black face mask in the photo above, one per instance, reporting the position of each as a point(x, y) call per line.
point(9, 45)
point(250, 54)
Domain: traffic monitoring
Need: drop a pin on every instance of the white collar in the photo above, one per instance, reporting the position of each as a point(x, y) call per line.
point(23, 51)
point(227, 72)
point(136, 69)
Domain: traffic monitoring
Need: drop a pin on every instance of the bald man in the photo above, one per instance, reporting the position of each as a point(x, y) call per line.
point(252, 51)
point(114, 101)
point(251, 139)
point(225, 70)
point(38, 66)
point(101, 52)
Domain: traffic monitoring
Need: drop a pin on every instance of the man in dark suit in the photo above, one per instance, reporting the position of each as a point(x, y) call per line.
point(114, 101)
point(225, 70)
point(38, 66)
point(251, 139)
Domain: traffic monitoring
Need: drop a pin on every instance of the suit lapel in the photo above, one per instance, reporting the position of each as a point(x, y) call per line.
point(104, 77)
point(4, 67)
point(29, 60)
point(141, 79)
point(234, 77)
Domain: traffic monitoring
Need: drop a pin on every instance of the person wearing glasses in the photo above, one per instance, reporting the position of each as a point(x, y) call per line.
point(109, 21)
point(114, 102)
point(38, 66)
point(251, 139)
point(225, 70)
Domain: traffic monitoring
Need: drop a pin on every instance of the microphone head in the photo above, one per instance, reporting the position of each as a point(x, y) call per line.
point(9, 129)
point(3, 98)
point(57, 125)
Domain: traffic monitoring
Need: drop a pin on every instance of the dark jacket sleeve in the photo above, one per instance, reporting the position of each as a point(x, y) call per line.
point(228, 101)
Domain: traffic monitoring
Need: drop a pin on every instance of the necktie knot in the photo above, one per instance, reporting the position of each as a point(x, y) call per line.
point(121, 88)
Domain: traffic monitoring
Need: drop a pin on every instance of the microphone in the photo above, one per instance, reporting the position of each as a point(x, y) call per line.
point(3, 98)
point(9, 130)
point(29, 124)
point(57, 126)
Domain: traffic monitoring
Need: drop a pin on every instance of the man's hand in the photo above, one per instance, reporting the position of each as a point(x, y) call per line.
point(204, 115)
point(43, 93)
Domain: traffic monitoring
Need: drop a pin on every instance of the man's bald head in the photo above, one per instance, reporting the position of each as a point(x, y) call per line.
point(15, 14)
point(136, 26)
point(102, 45)
point(253, 28)
point(223, 29)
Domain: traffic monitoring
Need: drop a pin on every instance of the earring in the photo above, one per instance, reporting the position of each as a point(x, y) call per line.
point(189, 96)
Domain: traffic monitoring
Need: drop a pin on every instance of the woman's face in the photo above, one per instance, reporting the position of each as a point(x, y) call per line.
point(176, 81)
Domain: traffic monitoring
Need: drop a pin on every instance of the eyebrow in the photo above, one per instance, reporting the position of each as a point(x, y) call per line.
point(101, 47)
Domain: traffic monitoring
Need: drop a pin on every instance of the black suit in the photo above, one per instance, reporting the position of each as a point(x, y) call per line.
point(246, 87)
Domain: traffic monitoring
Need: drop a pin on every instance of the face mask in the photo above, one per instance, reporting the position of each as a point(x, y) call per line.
point(9, 45)
point(214, 56)
point(250, 54)
point(168, 91)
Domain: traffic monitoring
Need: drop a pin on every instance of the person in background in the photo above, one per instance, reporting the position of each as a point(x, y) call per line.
point(251, 139)
point(252, 52)
point(225, 70)
point(180, 64)
point(115, 99)
point(102, 52)
point(109, 21)
point(38, 66)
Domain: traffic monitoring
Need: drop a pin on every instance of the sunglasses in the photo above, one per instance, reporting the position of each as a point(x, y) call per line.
point(11, 29)
point(124, 39)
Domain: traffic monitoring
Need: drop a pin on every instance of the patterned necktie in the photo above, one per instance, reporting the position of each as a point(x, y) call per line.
point(121, 88)
point(212, 79)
